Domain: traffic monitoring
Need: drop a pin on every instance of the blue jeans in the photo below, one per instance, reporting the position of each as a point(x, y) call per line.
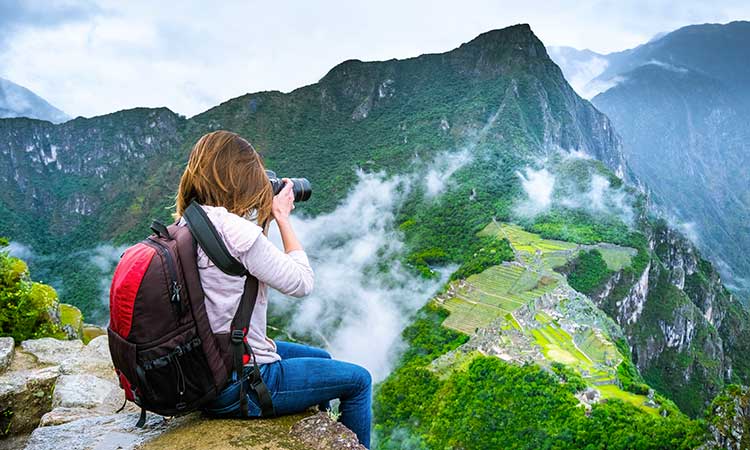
point(305, 377)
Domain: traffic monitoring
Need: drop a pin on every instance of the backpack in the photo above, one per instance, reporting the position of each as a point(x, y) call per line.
point(167, 359)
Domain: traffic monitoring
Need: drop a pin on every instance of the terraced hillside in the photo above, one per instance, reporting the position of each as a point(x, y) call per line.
point(523, 311)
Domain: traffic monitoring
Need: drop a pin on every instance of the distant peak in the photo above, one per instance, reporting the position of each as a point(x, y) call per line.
point(519, 32)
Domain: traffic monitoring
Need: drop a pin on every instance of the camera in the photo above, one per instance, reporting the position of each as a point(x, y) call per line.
point(300, 186)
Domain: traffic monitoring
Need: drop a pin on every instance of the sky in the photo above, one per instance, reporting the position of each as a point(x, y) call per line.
point(92, 57)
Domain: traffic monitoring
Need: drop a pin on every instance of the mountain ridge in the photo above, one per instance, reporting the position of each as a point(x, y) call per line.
point(18, 101)
point(509, 109)
point(679, 103)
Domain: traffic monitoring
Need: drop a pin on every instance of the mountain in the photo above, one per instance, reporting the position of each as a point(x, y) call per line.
point(581, 68)
point(17, 101)
point(680, 103)
point(497, 173)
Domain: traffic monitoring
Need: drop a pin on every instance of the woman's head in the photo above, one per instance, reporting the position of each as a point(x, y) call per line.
point(225, 170)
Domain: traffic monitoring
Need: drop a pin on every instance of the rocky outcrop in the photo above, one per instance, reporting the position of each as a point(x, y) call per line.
point(729, 420)
point(53, 381)
point(684, 329)
point(113, 431)
point(25, 395)
point(63, 394)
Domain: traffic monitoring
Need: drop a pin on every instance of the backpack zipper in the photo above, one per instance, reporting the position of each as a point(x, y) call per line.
point(174, 285)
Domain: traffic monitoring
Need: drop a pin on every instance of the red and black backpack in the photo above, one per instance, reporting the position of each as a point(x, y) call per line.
point(165, 354)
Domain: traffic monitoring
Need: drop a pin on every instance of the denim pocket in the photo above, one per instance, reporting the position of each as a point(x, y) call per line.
point(227, 403)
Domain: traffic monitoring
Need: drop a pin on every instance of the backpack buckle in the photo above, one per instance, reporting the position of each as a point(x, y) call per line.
point(238, 336)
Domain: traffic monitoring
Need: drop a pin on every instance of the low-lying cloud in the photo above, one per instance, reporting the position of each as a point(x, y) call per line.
point(538, 185)
point(363, 297)
point(19, 250)
point(543, 189)
point(105, 257)
point(443, 167)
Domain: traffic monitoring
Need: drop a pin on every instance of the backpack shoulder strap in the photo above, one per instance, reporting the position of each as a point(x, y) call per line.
point(208, 238)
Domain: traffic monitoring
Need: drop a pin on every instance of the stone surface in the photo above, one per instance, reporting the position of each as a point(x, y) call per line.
point(14, 442)
point(116, 431)
point(51, 350)
point(200, 433)
point(91, 331)
point(83, 391)
point(25, 395)
point(6, 352)
point(93, 359)
point(73, 403)
point(320, 432)
point(61, 415)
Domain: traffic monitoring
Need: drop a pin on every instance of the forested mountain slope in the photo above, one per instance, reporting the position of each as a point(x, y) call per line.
point(681, 103)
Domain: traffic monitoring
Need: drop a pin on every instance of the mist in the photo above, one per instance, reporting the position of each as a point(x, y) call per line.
point(538, 185)
point(105, 257)
point(18, 250)
point(543, 190)
point(443, 167)
point(363, 297)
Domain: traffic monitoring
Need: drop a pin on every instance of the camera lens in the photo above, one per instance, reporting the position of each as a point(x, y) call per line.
point(300, 186)
point(302, 189)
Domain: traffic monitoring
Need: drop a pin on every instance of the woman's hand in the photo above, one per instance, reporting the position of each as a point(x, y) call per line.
point(283, 202)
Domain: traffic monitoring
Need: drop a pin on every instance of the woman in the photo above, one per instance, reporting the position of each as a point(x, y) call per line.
point(225, 175)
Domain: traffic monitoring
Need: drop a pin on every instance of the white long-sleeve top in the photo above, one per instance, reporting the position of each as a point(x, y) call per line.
point(289, 273)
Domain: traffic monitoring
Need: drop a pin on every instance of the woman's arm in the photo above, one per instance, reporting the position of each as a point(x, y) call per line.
point(290, 272)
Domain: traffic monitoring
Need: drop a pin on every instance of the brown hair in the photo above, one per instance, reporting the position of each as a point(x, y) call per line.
point(225, 170)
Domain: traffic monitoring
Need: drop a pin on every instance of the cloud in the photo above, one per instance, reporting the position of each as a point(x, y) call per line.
point(443, 167)
point(538, 185)
point(579, 68)
point(101, 56)
point(544, 189)
point(18, 250)
point(667, 66)
point(16, 15)
point(363, 297)
point(105, 257)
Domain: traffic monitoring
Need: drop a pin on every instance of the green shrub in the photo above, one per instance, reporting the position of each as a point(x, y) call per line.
point(588, 272)
point(27, 308)
point(569, 377)
point(427, 339)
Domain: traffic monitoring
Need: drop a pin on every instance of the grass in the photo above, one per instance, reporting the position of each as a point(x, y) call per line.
point(554, 253)
point(523, 241)
point(616, 257)
point(612, 391)
point(467, 316)
point(597, 347)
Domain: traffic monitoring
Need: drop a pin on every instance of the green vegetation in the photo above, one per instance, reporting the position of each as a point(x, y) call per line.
point(588, 272)
point(492, 404)
point(27, 308)
point(728, 414)
point(579, 226)
point(427, 339)
point(491, 252)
